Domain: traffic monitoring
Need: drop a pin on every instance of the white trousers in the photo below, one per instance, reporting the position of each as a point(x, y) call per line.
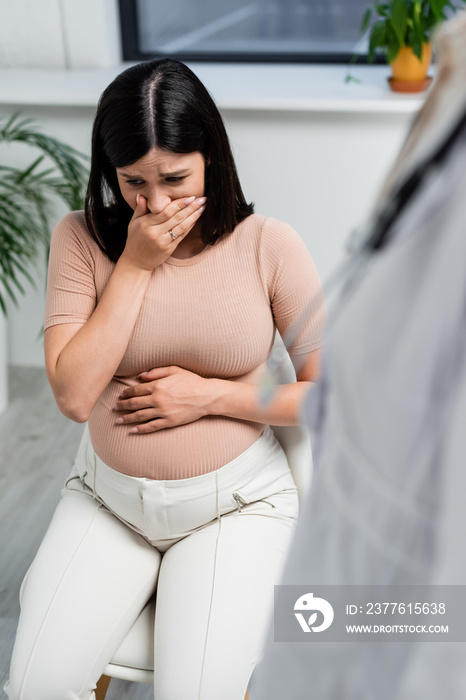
point(211, 547)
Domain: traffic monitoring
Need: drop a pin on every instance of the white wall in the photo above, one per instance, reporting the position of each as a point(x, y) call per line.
point(317, 170)
point(59, 33)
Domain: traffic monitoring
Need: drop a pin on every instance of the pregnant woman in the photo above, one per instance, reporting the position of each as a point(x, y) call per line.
point(163, 301)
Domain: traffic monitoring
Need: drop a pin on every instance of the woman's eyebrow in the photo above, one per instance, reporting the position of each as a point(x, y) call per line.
point(176, 173)
point(133, 177)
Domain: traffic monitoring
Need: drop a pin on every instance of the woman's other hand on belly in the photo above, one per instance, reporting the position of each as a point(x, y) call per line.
point(165, 398)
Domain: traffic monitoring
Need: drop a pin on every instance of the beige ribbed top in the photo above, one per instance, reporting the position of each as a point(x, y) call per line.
point(214, 314)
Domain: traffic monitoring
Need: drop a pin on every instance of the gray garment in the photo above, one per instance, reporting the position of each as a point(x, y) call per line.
point(387, 502)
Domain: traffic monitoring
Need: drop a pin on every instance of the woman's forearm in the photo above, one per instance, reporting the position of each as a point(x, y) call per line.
point(170, 396)
point(81, 369)
point(242, 401)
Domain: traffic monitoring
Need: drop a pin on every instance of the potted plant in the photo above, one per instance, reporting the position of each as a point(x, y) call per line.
point(403, 31)
point(27, 196)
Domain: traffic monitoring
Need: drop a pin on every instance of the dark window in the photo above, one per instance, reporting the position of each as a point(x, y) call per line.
point(237, 30)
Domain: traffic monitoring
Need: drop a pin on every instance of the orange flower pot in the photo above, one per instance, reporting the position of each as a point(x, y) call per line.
point(409, 74)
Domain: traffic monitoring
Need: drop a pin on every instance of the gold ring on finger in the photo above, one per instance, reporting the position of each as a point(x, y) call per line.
point(173, 235)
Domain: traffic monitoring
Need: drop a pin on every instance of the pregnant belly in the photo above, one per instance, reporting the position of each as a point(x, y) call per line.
point(173, 453)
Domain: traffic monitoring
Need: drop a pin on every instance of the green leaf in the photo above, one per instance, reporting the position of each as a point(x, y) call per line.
point(416, 33)
point(383, 9)
point(422, 30)
point(393, 44)
point(366, 20)
point(351, 79)
point(415, 42)
point(438, 7)
point(429, 22)
point(26, 173)
point(378, 39)
point(399, 18)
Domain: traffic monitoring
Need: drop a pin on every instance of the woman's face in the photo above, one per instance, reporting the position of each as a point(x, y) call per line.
point(162, 176)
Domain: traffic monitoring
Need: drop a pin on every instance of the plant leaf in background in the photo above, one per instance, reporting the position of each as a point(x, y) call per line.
point(366, 19)
point(438, 7)
point(378, 38)
point(27, 198)
point(393, 42)
point(399, 19)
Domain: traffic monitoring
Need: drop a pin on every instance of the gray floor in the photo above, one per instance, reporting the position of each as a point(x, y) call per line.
point(37, 447)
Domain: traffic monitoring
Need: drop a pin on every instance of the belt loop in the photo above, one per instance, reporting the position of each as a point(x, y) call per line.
point(217, 495)
point(95, 470)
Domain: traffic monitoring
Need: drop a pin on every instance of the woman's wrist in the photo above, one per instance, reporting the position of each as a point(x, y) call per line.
point(225, 397)
point(129, 268)
point(214, 393)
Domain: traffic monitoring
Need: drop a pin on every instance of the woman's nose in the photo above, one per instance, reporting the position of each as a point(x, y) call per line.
point(157, 200)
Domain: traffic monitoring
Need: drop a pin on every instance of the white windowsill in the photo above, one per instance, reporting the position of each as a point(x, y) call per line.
point(282, 87)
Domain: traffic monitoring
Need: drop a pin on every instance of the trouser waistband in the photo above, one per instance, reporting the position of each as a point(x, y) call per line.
point(165, 509)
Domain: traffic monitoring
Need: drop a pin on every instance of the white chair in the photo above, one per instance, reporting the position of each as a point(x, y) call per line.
point(134, 660)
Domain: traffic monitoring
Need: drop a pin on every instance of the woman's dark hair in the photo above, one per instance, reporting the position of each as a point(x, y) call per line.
point(159, 103)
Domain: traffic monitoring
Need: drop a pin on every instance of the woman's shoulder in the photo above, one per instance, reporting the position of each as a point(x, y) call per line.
point(72, 233)
point(72, 224)
point(269, 234)
point(265, 228)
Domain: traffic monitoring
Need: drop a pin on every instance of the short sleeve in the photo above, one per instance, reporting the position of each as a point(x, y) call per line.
point(294, 287)
point(71, 289)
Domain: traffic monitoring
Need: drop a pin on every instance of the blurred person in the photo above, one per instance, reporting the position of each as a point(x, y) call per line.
point(163, 301)
point(389, 414)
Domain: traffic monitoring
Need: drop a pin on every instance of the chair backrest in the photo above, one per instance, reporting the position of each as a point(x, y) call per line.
point(295, 439)
point(296, 443)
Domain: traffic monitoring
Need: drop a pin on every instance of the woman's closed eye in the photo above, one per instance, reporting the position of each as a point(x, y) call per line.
point(174, 179)
point(135, 183)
